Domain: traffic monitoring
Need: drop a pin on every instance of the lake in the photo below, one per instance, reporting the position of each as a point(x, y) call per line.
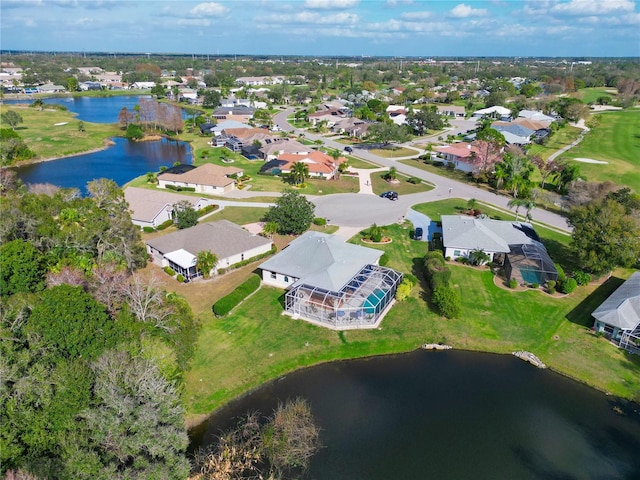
point(121, 162)
point(92, 109)
point(452, 415)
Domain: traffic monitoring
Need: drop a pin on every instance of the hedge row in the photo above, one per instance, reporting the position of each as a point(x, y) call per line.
point(180, 189)
point(229, 302)
point(444, 297)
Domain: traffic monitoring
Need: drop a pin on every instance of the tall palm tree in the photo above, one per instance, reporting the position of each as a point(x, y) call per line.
point(517, 203)
point(299, 172)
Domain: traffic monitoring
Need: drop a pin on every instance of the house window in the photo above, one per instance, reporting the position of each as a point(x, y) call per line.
point(274, 275)
point(456, 253)
point(286, 279)
point(241, 256)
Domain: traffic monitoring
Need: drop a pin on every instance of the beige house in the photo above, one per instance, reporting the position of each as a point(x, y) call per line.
point(208, 178)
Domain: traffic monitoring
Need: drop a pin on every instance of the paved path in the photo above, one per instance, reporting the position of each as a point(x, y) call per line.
point(340, 208)
point(584, 128)
point(364, 176)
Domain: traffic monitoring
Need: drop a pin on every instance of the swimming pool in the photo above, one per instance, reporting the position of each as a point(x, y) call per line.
point(373, 300)
point(530, 275)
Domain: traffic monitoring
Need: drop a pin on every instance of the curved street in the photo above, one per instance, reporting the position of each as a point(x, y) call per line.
point(363, 210)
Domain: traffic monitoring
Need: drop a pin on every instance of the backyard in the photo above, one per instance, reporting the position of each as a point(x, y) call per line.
point(256, 343)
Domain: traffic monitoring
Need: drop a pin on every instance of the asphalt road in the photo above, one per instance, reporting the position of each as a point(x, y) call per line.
point(345, 208)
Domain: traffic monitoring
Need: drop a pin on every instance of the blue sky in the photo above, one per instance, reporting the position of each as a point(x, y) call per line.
point(553, 28)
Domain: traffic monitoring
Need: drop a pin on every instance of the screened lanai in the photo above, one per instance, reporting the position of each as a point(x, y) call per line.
point(530, 263)
point(359, 304)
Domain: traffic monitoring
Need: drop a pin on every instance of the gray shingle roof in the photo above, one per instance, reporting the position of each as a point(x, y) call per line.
point(469, 233)
point(223, 238)
point(322, 260)
point(146, 204)
point(622, 308)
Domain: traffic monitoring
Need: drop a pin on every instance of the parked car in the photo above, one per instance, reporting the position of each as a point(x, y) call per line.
point(348, 149)
point(390, 195)
point(417, 234)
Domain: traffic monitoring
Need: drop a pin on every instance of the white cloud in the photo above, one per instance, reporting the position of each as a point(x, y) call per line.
point(416, 15)
point(313, 18)
point(593, 7)
point(395, 3)
point(464, 11)
point(194, 22)
point(210, 9)
point(83, 22)
point(330, 4)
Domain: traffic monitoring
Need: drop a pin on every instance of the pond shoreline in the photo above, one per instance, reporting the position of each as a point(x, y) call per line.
point(193, 421)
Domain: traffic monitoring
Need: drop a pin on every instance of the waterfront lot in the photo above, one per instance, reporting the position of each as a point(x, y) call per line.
point(256, 342)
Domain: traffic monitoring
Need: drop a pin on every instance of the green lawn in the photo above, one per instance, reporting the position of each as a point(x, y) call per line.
point(256, 343)
point(239, 215)
point(615, 139)
point(590, 95)
point(560, 139)
point(403, 188)
point(394, 152)
point(48, 140)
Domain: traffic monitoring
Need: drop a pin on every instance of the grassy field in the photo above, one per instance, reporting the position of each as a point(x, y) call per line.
point(590, 95)
point(48, 140)
point(256, 343)
point(560, 139)
point(615, 139)
point(395, 152)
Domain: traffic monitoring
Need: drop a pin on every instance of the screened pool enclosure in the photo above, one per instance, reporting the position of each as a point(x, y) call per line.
point(530, 263)
point(359, 304)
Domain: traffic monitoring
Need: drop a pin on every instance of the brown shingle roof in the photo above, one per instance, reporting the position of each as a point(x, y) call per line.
point(207, 174)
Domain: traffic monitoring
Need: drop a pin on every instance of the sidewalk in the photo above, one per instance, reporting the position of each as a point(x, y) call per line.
point(364, 177)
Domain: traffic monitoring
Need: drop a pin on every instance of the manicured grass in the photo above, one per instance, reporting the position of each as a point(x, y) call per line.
point(615, 139)
point(358, 163)
point(403, 187)
point(239, 215)
point(257, 343)
point(394, 152)
point(590, 95)
point(560, 139)
point(40, 133)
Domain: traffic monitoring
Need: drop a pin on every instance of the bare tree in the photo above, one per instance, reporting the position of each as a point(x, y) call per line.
point(147, 301)
point(67, 275)
point(106, 285)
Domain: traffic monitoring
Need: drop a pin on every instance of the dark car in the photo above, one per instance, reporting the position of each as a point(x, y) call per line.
point(348, 149)
point(417, 235)
point(390, 195)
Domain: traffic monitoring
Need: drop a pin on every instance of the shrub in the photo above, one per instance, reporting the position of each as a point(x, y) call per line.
point(207, 209)
point(414, 181)
point(535, 285)
point(404, 290)
point(411, 279)
point(164, 225)
point(148, 229)
point(320, 221)
point(551, 284)
point(180, 278)
point(447, 301)
point(513, 283)
point(440, 278)
point(229, 302)
point(384, 260)
point(561, 275)
point(134, 132)
point(582, 278)
point(569, 286)
point(169, 271)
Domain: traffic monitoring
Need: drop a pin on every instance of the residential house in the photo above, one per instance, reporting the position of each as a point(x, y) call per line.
point(451, 111)
point(228, 124)
point(208, 178)
point(332, 283)
point(463, 155)
point(537, 116)
point(151, 208)
point(330, 116)
point(85, 86)
point(498, 112)
point(514, 133)
point(515, 245)
point(240, 113)
point(275, 147)
point(352, 126)
point(142, 85)
point(618, 317)
point(51, 88)
point(320, 164)
point(265, 80)
point(229, 242)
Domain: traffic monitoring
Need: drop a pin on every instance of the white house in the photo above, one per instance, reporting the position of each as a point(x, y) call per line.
point(229, 242)
point(151, 208)
point(208, 178)
point(618, 317)
point(332, 283)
